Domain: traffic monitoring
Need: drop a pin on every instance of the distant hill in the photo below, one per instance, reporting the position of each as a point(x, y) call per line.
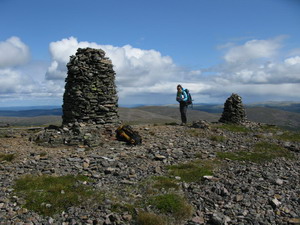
point(154, 114)
point(31, 112)
point(274, 116)
point(218, 108)
point(173, 112)
point(22, 108)
point(286, 106)
point(137, 115)
point(30, 121)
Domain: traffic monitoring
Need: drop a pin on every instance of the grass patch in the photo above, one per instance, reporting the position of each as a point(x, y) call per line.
point(234, 127)
point(193, 171)
point(152, 201)
point(262, 152)
point(269, 128)
point(157, 184)
point(48, 195)
point(6, 157)
point(198, 155)
point(290, 136)
point(195, 132)
point(172, 204)
point(122, 207)
point(146, 218)
point(6, 134)
point(165, 183)
point(218, 138)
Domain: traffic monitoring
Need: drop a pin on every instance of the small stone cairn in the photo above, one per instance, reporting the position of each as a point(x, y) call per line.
point(234, 111)
point(90, 102)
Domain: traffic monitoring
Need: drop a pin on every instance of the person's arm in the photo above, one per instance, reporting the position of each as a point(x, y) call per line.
point(185, 97)
point(178, 97)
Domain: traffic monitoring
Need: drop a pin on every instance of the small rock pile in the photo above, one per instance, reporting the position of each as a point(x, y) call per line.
point(201, 124)
point(234, 111)
point(90, 92)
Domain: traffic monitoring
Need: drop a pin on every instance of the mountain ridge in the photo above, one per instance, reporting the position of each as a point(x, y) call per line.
point(158, 114)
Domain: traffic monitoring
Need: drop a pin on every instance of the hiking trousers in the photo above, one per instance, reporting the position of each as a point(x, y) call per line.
point(183, 109)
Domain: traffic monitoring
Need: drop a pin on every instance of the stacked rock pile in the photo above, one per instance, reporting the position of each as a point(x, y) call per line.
point(234, 111)
point(90, 92)
point(90, 102)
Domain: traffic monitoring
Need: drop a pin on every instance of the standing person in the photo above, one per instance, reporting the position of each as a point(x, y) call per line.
point(182, 98)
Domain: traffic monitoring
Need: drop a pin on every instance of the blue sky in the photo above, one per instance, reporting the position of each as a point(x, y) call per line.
point(212, 47)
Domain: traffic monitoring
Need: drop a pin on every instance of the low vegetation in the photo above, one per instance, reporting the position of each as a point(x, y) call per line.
point(269, 128)
point(6, 157)
point(147, 218)
point(165, 183)
point(218, 138)
point(234, 128)
point(172, 204)
point(195, 132)
point(48, 195)
point(289, 136)
point(6, 133)
point(193, 171)
point(262, 152)
point(122, 207)
point(161, 194)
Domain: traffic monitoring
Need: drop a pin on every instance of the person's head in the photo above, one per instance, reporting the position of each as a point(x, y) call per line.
point(179, 87)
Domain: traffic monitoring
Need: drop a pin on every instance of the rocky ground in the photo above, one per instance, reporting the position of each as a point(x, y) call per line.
point(237, 193)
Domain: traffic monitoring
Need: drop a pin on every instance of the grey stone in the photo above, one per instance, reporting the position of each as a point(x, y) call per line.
point(234, 111)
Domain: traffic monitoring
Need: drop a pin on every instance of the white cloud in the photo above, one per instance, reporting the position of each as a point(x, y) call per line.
point(292, 61)
point(257, 62)
point(27, 85)
point(253, 70)
point(251, 50)
point(13, 52)
point(136, 69)
point(250, 69)
point(12, 81)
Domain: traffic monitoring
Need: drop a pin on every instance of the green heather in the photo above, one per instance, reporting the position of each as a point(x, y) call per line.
point(172, 204)
point(262, 152)
point(48, 195)
point(146, 218)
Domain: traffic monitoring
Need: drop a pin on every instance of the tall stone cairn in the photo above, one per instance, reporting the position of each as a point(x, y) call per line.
point(90, 92)
point(234, 111)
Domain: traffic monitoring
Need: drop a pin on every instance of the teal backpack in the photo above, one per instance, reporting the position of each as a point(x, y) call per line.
point(189, 100)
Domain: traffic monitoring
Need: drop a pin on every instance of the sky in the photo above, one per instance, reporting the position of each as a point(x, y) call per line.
point(212, 47)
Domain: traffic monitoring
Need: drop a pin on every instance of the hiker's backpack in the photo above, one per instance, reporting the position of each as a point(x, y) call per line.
point(127, 134)
point(189, 100)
